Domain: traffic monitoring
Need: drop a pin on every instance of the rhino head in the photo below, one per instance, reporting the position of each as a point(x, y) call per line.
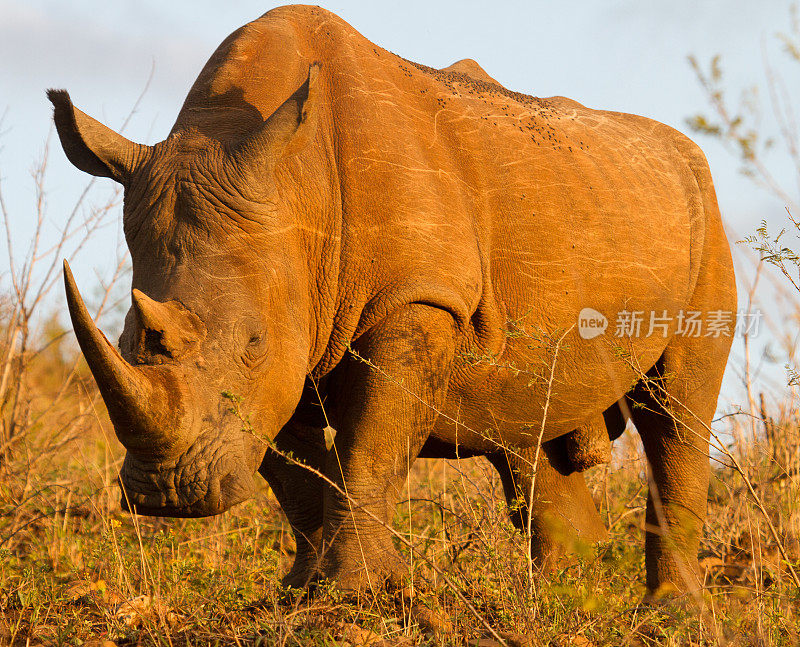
point(215, 346)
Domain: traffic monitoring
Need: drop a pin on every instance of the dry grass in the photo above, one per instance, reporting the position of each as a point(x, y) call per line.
point(76, 569)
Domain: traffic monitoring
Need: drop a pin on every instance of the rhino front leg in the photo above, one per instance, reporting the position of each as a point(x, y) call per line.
point(298, 490)
point(385, 396)
point(563, 511)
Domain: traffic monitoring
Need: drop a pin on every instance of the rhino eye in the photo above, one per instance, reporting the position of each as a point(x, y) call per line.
point(254, 339)
point(255, 350)
point(249, 335)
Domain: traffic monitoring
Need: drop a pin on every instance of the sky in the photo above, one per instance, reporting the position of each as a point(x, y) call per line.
point(627, 55)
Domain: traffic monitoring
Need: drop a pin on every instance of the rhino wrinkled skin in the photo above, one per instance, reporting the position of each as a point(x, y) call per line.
point(328, 223)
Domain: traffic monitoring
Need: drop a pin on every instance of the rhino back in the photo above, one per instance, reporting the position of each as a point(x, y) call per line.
point(443, 163)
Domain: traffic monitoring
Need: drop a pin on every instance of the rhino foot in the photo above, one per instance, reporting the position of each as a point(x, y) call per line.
point(355, 576)
point(303, 572)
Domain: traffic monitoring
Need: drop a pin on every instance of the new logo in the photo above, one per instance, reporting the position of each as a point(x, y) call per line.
point(591, 323)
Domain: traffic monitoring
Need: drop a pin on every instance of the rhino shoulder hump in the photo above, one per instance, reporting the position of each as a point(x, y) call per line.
point(471, 68)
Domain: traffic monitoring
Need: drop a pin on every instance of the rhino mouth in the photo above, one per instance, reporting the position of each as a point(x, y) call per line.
point(211, 476)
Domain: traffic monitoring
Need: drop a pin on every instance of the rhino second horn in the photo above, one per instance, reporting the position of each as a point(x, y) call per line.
point(144, 403)
point(178, 328)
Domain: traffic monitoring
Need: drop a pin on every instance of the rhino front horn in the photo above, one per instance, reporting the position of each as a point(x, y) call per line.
point(145, 403)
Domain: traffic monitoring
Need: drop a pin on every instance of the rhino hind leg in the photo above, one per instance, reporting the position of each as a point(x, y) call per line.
point(298, 490)
point(676, 447)
point(676, 403)
point(563, 514)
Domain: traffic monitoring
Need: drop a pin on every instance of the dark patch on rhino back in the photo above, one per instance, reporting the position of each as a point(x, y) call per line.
point(480, 86)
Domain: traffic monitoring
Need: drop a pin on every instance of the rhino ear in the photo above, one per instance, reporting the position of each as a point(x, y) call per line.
point(287, 130)
point(91, 146)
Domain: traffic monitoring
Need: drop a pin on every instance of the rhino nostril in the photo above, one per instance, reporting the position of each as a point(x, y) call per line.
point(152, 347)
